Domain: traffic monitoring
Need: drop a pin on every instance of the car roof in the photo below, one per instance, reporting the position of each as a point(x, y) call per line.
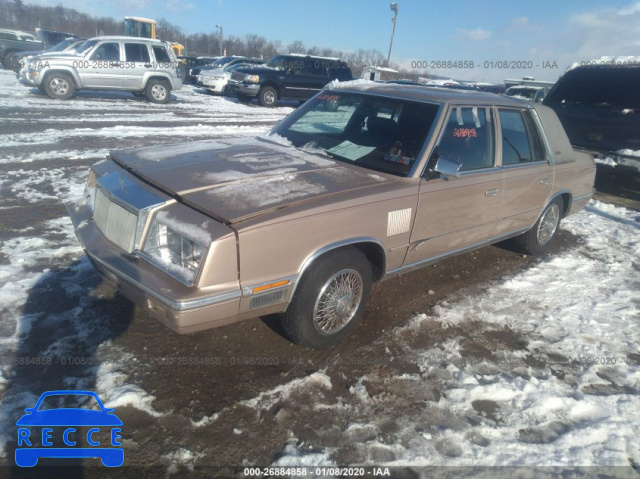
point(19, 32)
point(124, 38)
point(427, 93)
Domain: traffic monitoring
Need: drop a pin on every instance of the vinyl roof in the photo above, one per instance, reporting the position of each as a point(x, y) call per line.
point(428, 93)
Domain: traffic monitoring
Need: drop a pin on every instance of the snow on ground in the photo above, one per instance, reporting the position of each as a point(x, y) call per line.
point(569, 397)
point(561, 389)
point(43, 168)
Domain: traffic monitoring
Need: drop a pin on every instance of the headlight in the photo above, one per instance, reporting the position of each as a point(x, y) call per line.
point(252, 78)
point(180, 255)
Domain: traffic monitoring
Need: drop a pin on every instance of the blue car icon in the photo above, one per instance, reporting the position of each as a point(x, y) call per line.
point(27, 456)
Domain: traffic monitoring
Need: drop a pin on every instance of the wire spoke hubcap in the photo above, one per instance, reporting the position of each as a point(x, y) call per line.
point(338, 301)
point(548, 224)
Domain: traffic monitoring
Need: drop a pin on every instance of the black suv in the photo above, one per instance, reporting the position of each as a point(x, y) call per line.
point(598, 104)
point(287, 77)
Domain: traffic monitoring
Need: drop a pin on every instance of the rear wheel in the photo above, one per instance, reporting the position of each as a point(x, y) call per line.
point(330, 299)
point(7, 59)
point(537, 239)
point(158, 91)
point(268, 96)
point(59, 86)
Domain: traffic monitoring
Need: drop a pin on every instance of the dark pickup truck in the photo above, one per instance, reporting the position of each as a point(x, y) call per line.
point(287, 77)
point(598, 103)
point(14, 41)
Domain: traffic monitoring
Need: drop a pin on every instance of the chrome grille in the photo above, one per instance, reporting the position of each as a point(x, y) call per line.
point(115, 222)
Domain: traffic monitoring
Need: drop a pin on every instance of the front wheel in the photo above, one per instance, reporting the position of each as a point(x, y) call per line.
point(268, 96)
point(330, 299)
point(158, 91)
point(537, 239)
point(59, 86)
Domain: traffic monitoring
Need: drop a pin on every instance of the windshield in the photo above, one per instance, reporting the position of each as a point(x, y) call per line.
point(374, 132)
point(276, 62)
point(237, 66)
point(62, 45)
point(529, 93)
point(86, 46)
point(599, 87)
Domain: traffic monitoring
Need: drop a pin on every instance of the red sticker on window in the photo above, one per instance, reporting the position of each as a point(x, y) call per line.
point(329, 97)
point(465, 133)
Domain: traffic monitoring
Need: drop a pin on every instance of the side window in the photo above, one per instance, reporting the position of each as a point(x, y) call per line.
point(301, 67)
point(107, 52)
point(318, 68)
point(468, 138)
point(521, 141)
point(161, 54)
point(136, 52)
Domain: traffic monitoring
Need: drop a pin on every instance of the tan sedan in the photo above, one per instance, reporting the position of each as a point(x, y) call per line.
point(363, 182)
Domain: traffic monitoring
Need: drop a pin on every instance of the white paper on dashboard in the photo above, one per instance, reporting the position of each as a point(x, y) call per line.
point(351, 151)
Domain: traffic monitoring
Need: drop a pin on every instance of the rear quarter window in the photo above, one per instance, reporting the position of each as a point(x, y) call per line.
point(161, 54)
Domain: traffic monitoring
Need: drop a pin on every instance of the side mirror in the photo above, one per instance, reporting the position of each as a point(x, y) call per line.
point(447, 167)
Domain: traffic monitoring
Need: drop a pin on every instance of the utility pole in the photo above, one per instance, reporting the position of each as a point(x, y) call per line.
point(220, 27)
point(394, 8)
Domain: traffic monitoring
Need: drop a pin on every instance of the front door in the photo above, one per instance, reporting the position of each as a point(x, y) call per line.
point(103, 69)
point(457, 212)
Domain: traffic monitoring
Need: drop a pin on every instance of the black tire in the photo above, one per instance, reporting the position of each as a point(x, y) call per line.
point(330, 299)
point(59, 86)
point(6, 60)
point(158, 91)
point(537, 239)
point(243, 98)
point(268, 96)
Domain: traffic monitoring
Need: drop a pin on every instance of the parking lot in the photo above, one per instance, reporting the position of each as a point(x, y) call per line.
point(487, 359)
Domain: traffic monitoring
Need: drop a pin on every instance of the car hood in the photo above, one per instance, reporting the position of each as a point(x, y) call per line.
point(259, 69)
point(237, 179)
point(50, 56)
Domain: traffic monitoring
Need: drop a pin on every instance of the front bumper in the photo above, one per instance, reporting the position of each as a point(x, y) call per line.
point(30, 78)
point(243, 88)
point(217, 85)
point(182, 308)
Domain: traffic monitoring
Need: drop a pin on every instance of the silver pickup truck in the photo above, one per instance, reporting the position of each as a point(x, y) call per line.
point(139, 65)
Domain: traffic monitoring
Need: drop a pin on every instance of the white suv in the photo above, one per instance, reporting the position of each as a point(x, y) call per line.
point(139, 65)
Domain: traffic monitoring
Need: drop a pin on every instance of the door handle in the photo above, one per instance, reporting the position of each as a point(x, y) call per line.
point(545, 181)
point(148, 65)
point(493, 192)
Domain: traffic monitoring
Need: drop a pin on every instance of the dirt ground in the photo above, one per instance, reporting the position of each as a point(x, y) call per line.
point(210, 374)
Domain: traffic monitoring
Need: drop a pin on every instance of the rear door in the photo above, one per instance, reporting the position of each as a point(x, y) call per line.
point(454, 213)
point(528, 175)
point(305, 77)
point(137, 63)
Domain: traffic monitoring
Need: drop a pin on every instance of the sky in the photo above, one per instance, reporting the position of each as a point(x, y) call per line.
point(544, 37)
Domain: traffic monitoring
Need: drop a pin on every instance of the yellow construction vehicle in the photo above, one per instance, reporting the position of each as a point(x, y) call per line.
point(146, 28)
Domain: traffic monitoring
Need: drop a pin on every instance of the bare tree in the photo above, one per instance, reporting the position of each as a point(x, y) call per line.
point(296, 47)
